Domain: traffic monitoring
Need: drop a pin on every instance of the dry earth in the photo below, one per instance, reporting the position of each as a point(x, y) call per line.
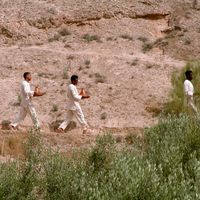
point(124, 52)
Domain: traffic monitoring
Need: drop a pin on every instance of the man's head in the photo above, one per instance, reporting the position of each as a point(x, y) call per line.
point(74, 79)
point(27, 76)
point(188, 75)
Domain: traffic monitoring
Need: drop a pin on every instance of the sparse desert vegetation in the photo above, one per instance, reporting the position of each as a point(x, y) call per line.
point(90, 38)
point(65, 73)
point(126, 37)
point(100, 78)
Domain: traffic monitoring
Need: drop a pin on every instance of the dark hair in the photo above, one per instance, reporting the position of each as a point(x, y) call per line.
point(74, 77)
point(26, 74)
point(187, 73)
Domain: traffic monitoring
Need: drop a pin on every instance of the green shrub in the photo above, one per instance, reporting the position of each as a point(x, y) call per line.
point(100, 78)
point(167, 168)
point(177, 102)
point(90, 38)
point(65, 73)
point(64, 32)
point(147, 47)
point(126, 37)
point(87, 62)
point(143, 39)
point(54, 108)
point(56, 37)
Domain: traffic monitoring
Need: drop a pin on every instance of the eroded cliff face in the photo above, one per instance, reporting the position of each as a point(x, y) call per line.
point(123, 50)
point(29, 22)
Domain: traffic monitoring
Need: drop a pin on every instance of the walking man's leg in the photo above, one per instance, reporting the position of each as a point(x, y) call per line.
point(69, 116)
point(81, 119)
point(33, 115)
point(191, 105)
point(20, 117)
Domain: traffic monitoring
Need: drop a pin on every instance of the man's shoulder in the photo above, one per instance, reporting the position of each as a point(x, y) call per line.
point(71, 86)
point(24, 82)
point(187, 82)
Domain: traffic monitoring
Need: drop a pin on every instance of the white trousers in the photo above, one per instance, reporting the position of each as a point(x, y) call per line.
point(22, 114)
point(78, 114)
point(190, 104)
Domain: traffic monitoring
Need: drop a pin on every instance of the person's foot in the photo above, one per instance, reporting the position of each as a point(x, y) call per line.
point(87, 131)
point(13, 128)
point(60, 130)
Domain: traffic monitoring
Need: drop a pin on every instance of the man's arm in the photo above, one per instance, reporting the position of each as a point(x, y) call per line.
point(77, 96)
point(28, 91)
point(83, 94)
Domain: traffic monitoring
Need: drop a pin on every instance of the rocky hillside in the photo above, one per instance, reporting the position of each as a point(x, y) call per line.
point(124, 52)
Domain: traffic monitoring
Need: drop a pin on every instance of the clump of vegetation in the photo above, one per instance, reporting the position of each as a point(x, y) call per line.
point(70, 57)
point(126, 37)
point(65, 74)
point(90, 38)
point(177, 101)
point(54, 108)
point(187, 41)
point(100, 78)
point(109, 39)
point(100, 156)
point(64, 32)
point(5, 124)
point(147, 47)
point(134, 62)
point(161, 42)
point(163, 166)
point(56, 37)
point(136, 140)
point(87, 62)
point(61, 34)
point(155, 110)
point(143, 39)
point(18, 102)
point(103, 116)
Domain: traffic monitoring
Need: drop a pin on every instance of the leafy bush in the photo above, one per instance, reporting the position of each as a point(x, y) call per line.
point(167, 168)
point(126, 37)
point(65, 73)
point(64, 32)
point(90, 38)
point(147, 47)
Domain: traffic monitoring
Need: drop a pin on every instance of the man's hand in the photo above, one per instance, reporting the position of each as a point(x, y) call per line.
point(82, 93)
point(85, 96)
point(37, 92)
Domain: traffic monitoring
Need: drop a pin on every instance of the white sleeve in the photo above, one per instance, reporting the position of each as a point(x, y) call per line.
point(27, 90)
point(75, 95)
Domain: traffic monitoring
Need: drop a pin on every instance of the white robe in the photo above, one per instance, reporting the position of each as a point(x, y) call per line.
point(189, 91)
point(26, 106)
point(73, 108)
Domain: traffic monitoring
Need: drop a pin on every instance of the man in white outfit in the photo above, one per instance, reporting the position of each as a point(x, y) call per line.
point(26, 105)
point(73, 107)
point(189, 92)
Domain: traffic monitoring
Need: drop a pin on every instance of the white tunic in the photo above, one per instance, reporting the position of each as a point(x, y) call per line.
point(188, 88)
point(26, 94)
point(73, 98)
